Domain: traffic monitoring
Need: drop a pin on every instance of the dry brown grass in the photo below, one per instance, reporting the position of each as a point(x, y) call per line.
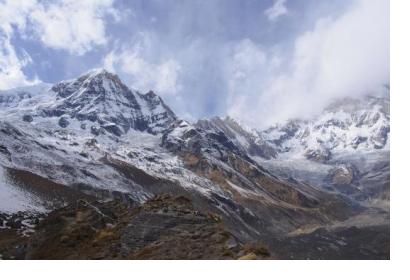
point(259, 250)
point(250, 256)
point(191, 160)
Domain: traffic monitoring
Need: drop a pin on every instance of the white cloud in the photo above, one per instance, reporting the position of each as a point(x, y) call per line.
point(74, 26)
point(249, 73)
point(12, 14)
point(144, 75)
point(340, 57)
point(11, 74)
point(141, 66)
point(277, 9)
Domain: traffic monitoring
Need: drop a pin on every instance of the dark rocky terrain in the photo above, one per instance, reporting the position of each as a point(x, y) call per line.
point(163, 228)
point(168, 227)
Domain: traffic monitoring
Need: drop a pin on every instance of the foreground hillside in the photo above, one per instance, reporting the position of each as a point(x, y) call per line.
point(168, 227)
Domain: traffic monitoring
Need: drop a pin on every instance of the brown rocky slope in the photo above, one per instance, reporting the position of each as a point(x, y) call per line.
point(164, 227)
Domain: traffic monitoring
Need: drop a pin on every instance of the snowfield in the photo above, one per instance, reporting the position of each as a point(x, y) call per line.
point(13, 199)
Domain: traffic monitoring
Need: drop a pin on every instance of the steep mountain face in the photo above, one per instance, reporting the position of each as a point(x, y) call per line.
point(101, 97)
point(97, 101)
point(95, 139)
point(345, 126)
point(247, 140)
point(348, 125)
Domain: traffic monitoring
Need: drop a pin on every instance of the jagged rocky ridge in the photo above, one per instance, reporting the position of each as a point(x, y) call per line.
point(345, 126)
point(96, 138)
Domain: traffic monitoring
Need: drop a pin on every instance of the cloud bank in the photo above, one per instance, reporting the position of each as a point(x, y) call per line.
point(343, 56)
point(69, 25)
point(259, 61)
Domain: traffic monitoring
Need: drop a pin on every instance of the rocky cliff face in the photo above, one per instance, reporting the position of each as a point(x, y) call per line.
point(247, 140)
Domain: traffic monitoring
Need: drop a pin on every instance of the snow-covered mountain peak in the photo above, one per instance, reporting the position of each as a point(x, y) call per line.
point(97, 100)
point(100, 96)
point(348, 125)
point(95, 82)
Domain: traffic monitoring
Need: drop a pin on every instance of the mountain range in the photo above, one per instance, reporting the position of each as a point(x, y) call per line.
point(93, 161)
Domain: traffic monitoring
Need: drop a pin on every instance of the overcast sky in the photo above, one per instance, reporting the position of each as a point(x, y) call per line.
point(256, 60)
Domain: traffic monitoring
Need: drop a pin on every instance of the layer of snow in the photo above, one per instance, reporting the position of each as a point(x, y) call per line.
point(13, 199)
point(347, 126)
